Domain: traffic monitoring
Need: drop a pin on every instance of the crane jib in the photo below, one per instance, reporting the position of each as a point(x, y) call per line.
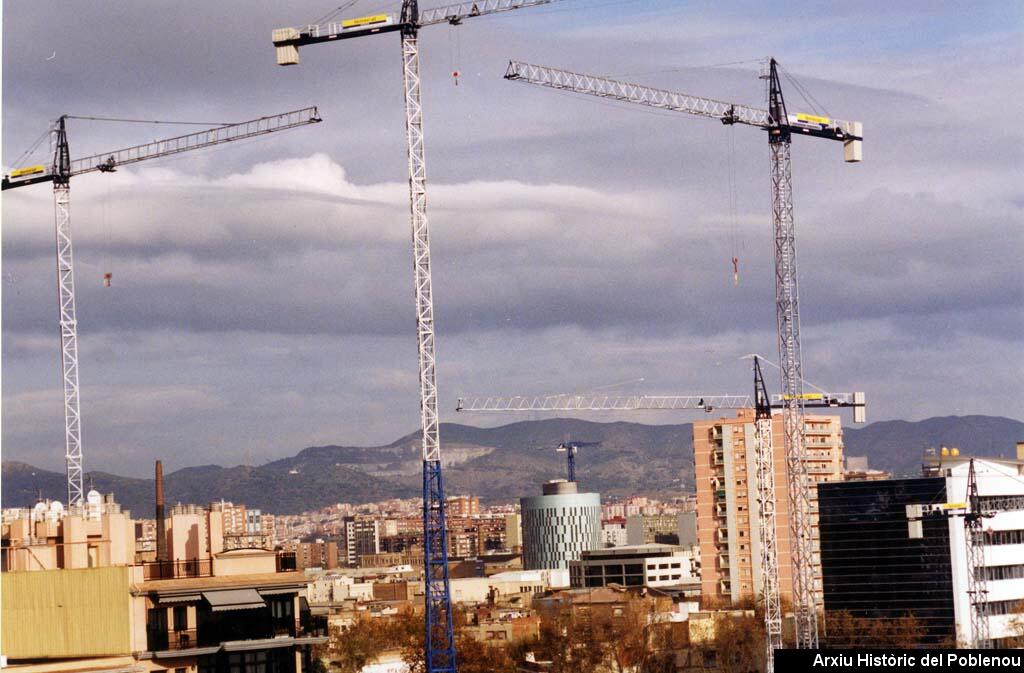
point(35, 179)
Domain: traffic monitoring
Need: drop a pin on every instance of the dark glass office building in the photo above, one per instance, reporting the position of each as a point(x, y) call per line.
point(872, 567)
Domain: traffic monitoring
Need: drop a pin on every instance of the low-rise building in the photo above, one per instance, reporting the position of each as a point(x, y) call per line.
point(646, 565)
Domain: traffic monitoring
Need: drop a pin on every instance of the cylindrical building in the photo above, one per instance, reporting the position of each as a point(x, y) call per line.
point(559, 525)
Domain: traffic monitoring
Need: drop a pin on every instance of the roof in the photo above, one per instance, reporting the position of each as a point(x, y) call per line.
point(192, 584)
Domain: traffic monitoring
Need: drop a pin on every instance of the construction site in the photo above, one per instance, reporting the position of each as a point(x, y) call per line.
point(235, 297)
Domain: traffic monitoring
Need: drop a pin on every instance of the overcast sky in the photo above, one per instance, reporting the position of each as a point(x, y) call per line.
point(262, 291)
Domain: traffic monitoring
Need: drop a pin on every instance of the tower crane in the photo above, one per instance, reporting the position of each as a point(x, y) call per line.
point(781, 126)
point(439, 642)
point(60, 172)
point(977, 579)
point(600, 402)
point(764, 454)
point(570, 449)
point(763, 450)
point(973, 510)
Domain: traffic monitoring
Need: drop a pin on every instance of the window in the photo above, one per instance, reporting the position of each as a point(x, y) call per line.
point(1013, 572)
point(180, 618)
point(281, 608)
point(247, 662)
point(1004, 537)
point(157, 619)
point(1004, 607)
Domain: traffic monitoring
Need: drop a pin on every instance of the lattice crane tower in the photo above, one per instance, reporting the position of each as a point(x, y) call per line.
point(60, 173)
point(780, 126)
point(439, 640)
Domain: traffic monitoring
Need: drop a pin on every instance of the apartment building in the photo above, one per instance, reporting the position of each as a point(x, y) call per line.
point(652, 528)
point(75, 599)
point(463, 506)
point(246, 528)
point(317, 554)
point(728, 523)
point(361, 538)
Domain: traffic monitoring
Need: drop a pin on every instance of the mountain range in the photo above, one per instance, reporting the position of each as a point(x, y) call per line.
point(498, 464)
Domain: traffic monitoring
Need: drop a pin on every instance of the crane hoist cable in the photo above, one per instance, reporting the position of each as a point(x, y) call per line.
point(734, 237)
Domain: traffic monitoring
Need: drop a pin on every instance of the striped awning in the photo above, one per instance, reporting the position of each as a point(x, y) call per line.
point(234, 599)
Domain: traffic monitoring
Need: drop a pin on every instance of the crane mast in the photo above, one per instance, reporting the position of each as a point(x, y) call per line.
point(787, 314)
point(570, 455)
point(60, 173)
point(780, 126)
point(439, 639)
point(764, 455)
point(977, 581)
point(68, 315)
point(439, 631)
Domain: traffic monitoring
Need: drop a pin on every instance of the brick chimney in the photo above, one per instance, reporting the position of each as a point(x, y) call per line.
point(161, 532)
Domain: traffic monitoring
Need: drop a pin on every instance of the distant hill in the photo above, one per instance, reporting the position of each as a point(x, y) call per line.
point(896, 446)
point(500, 463)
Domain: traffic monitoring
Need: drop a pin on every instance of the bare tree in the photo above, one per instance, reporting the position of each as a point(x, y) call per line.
point(843, 630)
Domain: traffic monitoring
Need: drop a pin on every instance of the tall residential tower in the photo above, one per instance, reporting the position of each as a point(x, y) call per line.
point(728, 525)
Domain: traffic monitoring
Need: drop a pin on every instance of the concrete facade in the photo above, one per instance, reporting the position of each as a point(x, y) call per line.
point(559, 526)
point(649, 565)
point(97, 608)
point(728, 524)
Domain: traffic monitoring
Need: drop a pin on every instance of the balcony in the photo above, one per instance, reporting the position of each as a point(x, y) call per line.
point(236, 625)
point(718, 458)
point(169, 570)
point(171, 640)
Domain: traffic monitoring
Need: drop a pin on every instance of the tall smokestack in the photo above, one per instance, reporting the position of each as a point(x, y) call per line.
point(161, 534)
